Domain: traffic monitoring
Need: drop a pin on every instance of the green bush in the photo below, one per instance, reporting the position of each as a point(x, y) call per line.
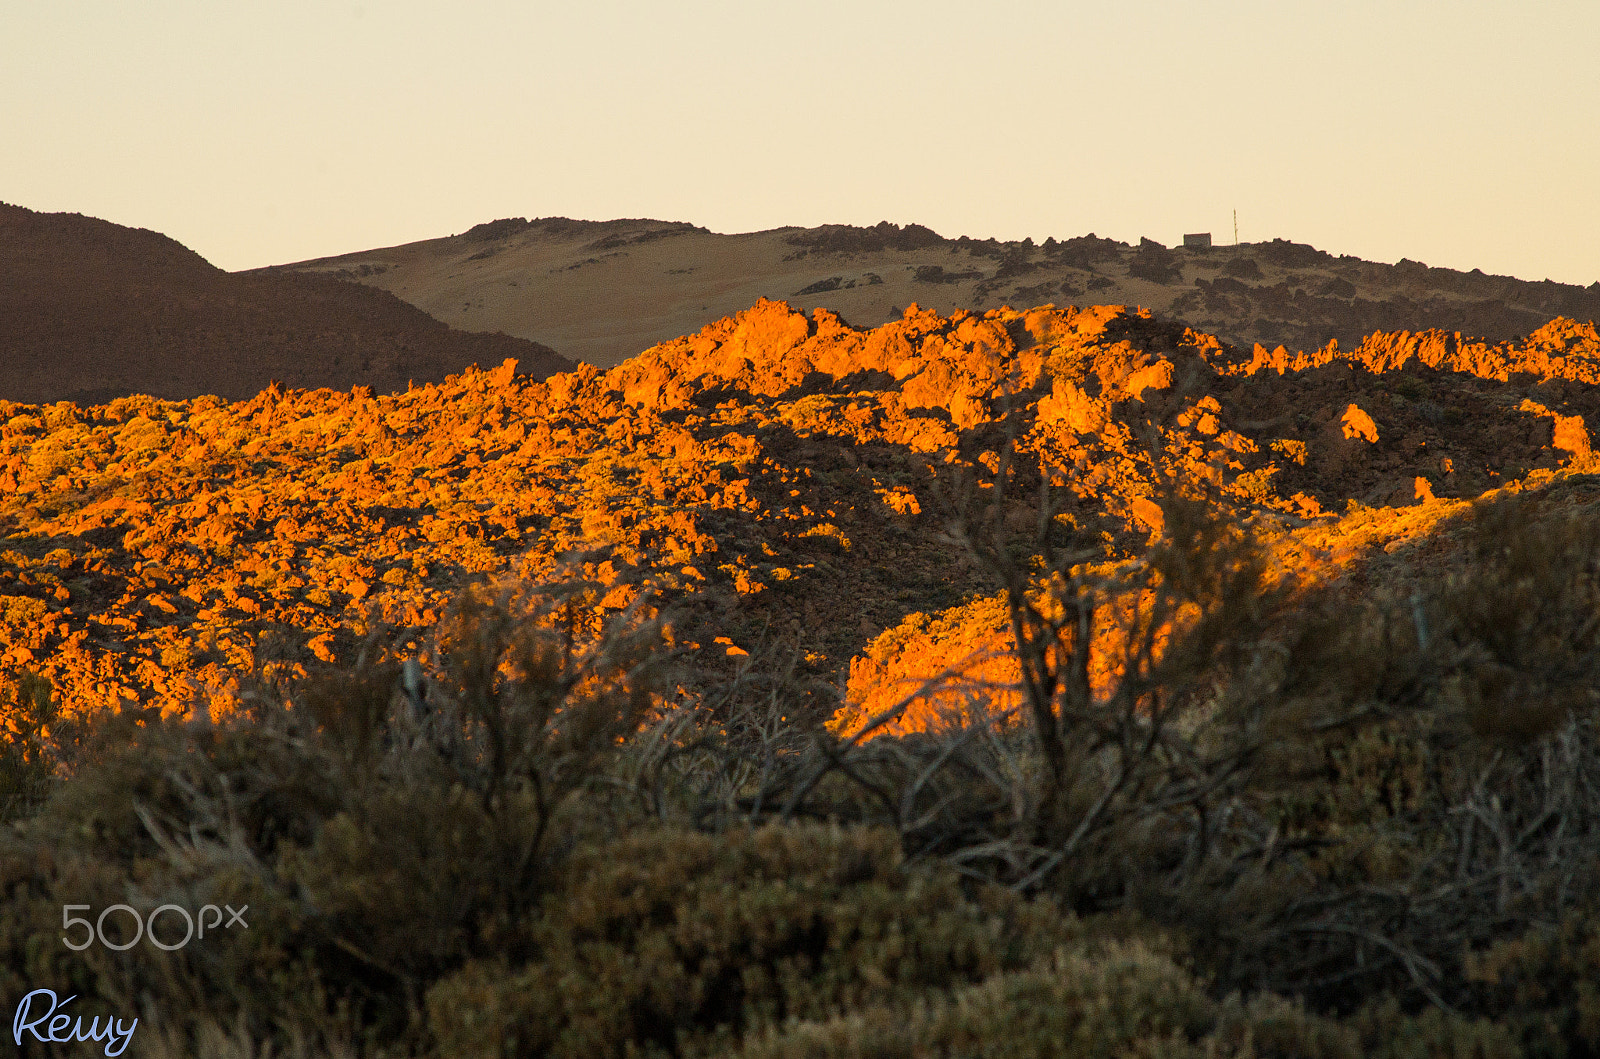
point(670, 940)
point(1123, 1000)
point(1119, 1000)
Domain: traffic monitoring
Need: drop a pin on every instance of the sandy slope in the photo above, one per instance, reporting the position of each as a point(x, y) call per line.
point(604, 304)
point(602, 291)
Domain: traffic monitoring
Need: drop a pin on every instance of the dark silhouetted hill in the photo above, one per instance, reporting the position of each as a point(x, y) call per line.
point(91, 310)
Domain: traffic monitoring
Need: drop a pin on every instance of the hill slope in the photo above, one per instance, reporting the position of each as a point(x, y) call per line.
point(91, 310)
point(602, 291)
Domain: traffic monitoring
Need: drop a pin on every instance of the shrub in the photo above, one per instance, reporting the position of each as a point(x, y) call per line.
point(1420, 787)
point(27, 711)
point(1334, 797)
point(671, 941)
point(1119, 999)
point(1542, 985)
point(383, 825)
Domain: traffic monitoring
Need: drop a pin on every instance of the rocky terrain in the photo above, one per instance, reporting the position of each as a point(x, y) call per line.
point(1241, 699)
point(602, 291)
point(91, 310)
point(780, 476)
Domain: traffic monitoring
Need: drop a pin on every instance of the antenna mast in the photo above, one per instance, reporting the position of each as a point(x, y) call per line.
point(1235, 227)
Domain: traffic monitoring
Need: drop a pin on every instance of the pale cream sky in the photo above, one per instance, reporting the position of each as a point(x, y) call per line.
point(1455, 133)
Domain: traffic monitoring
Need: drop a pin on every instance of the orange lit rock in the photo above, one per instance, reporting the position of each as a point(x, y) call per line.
point(1564, 432)
point(1357, 424)
point(1069, 405)
point(1148, 513)
point(1157, 376)
point(1571, 437)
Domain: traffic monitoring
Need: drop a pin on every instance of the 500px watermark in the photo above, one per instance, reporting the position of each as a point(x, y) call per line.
point(145, 926)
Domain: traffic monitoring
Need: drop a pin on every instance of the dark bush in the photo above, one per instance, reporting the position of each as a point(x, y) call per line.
point(27, 710)
point(672, 941)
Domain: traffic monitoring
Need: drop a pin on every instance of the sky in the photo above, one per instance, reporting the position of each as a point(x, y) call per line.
point(1459, 134)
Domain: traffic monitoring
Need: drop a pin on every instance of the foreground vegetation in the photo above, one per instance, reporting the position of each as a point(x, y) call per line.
point(1286, 822)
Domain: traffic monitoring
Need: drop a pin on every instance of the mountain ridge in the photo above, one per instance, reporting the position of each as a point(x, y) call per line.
point(603, 290)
